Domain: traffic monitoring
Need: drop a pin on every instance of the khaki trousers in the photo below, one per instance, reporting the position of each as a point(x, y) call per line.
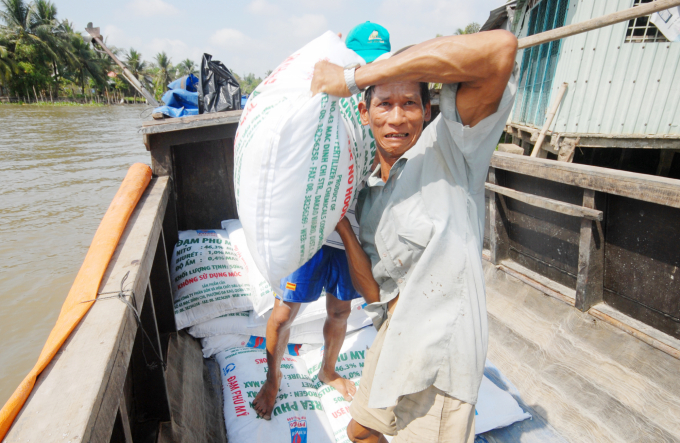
point(427, 416)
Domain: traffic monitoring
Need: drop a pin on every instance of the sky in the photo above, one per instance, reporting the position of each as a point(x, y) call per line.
point(256, 35)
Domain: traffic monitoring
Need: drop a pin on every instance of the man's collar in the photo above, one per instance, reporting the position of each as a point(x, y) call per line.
point(375, 179)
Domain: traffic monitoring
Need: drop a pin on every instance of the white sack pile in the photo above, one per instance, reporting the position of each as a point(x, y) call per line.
point(298, 160)
point(222, 298)
point(495, 408)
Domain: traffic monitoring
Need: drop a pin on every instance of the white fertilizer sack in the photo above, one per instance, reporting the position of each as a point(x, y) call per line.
point(298, 415)
point(298, 160)
point(261, 294)
point(215, 345)
point(350, 365)
point(208, 278)
point(308, 312)
point(496, 408)
point(306, 334)
point(234, 323)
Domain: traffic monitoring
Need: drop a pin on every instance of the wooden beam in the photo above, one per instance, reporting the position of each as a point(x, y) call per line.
point(79, 393)
point(665, 162)
point(547, 203)
point(660, 190)
point(597, 140)
point(125, 420)
point(549, 118)
point(598, 22)
point(590, 278)
point(194, 121)
point(498, 230)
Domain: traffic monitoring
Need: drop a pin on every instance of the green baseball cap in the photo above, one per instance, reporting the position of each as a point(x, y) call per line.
point(369, 40)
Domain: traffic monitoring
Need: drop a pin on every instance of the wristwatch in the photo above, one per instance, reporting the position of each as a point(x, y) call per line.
point(349, 80)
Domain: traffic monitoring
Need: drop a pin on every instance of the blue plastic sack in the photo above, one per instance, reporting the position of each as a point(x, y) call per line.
point(187, 82)
point(179, 100)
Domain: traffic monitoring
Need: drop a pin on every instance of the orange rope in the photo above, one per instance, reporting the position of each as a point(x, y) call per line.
point(86, 284)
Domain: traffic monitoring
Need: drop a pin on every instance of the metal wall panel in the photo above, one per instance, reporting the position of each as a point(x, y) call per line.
point(614, 87)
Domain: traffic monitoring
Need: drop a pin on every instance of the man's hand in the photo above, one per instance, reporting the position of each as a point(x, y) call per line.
point(329, 78)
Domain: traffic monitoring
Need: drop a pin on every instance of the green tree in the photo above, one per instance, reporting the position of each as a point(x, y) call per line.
point(7, 65)
point(162, 76)
point(472, 28)
point(186, 67)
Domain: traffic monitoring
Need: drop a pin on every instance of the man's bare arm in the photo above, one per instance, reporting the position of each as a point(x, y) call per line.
point(359, 264)
point(481, 63)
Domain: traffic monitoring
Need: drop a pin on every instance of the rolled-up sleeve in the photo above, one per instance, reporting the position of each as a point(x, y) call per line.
point(476, 144)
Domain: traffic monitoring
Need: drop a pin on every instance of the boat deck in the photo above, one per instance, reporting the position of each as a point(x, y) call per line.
point(591, 381)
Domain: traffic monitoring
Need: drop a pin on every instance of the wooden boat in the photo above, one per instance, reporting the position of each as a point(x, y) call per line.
point(580, 263)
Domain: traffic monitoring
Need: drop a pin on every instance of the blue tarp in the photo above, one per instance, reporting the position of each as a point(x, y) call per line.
point(181, 99)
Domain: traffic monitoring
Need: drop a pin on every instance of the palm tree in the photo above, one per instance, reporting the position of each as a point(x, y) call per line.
point(21, 26)
point(7, 65)
point(163, 76)
point(56, 35)
point(85, 59)
point(186, 67)
point(133, 61)
point(472, 28)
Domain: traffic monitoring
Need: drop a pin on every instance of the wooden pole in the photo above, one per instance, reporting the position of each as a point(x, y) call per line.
point(595, 23)
point(549, 119)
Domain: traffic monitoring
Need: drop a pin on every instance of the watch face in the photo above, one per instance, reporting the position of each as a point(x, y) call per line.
point(352, 66)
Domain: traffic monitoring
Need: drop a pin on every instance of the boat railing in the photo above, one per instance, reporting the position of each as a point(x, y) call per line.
point(113, 365)
point(602, 240)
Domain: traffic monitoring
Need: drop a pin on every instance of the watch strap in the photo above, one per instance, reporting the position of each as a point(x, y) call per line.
point(349, 81)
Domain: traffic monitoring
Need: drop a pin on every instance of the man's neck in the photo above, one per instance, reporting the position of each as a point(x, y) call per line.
point(386, 164)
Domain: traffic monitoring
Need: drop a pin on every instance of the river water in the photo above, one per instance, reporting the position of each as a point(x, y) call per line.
point(60, 166)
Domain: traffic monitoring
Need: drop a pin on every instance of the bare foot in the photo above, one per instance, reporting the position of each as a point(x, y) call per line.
point(342, 385)
point(265, 399)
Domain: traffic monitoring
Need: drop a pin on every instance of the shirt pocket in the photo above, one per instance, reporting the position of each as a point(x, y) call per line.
point(408, 231)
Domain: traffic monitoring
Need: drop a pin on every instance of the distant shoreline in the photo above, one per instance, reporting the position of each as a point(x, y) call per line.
point(67, 101)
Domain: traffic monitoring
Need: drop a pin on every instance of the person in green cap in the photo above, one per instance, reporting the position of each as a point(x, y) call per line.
point(327, 271)
point(369, 40)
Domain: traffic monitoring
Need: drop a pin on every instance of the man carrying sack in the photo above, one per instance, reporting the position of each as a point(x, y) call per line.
point(421, 220)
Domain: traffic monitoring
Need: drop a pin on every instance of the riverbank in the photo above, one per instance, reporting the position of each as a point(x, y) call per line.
point(68, 101)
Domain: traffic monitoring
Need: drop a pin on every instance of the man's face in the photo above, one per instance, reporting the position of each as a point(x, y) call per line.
point(396, 116)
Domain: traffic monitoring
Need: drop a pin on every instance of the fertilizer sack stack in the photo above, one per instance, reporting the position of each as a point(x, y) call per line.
point(298, 160)
point(208, 278)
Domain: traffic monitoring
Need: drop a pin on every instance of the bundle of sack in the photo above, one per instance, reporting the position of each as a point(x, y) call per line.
point(313, 410)
point(223, 299)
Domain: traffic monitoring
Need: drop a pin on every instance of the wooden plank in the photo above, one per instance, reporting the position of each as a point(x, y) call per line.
point(511, 148)
point(79, 393)
point(537, 281)
point(642, 259)
point(597, 22)
point(498, 231)
point(194, 121)
point(637, 329)
point(161, 290)
point(594, 382)
point(547, 203)
point(661, 190)
point(204, 184)
point(665, 163)
point(150, 391)
point(590, 277)
point(600, 140)
point(125, 420)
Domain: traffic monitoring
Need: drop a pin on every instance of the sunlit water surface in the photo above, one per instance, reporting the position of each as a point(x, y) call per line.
point(59, 169)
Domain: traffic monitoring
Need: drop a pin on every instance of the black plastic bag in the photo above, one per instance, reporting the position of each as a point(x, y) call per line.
point(218, 89)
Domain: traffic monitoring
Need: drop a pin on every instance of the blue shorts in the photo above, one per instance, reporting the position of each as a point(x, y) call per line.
point(326, 271)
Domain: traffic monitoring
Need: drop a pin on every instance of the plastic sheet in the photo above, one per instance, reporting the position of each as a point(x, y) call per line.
point(218, 89)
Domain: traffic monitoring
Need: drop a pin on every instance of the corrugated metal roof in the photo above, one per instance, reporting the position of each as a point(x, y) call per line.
point(615, 87)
